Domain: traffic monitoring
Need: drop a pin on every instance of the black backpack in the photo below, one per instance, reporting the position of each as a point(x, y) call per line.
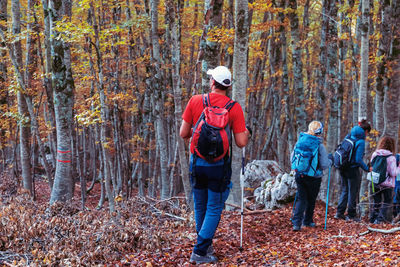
point(379, 169)
point(344, 153)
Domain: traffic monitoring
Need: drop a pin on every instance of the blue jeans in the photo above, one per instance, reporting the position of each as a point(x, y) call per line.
point(382, 200)
point(307, 192)
point(210, 186)
point(350, 186)
point(208, 206)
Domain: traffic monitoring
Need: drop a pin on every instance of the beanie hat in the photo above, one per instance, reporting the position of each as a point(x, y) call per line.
point(315, 128)
point(221, 75)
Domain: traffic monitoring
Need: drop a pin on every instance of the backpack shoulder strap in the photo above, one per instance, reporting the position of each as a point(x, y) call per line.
point(229, 105)
point(206, 100)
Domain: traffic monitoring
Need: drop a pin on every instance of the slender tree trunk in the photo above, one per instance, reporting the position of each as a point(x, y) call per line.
point(332, 84)
point(391, 103)
point(159, 101)
point(363, 91)
point(321, 97)
point(63, 86)
point(211, 49)
point(381, 79)
point(240, 85)
point(24, 132)
point(287, 96)
point(383, 51)
point(47, 79)
point(175, 21)
point(298, 87)
point(105, 118)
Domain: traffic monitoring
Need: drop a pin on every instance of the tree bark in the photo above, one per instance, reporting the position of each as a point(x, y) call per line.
point(391, 103)
point(363, 91)
point(332, 84)
point(159, 101)
point(47, 81)
point(105, 118)
point(383, 51)
point(63, 85)
point(321, 89)
point(297, 68)
point(175, 21)
point(211, 49)
point(24, 123)
point(239, 88)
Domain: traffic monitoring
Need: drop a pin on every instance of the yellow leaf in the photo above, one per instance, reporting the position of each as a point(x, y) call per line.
point(118, 198)
point(148, 264)
point(388, 259)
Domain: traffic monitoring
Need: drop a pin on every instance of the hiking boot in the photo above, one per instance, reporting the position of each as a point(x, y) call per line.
point(296, 228)
point(312, 224)
point(354, 219)
point(195, 258)
point(340, 217)
point(210, 250)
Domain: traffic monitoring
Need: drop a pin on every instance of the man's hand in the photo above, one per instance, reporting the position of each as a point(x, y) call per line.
point(250, 132)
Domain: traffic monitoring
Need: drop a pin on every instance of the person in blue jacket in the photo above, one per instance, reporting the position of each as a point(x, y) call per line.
point(308, 185)
point(351, 176)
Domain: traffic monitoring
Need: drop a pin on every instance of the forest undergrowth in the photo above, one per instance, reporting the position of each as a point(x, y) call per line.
point(148, 232)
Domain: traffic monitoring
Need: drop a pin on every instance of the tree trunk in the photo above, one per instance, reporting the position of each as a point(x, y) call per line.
point(297, 68)
point(363, 91)
point(105, 118)
point(63, 85)
point(391, 103)
point(175, 21)
point(321, 89)
point(383, 51)
point(332, 85)
point(47, 80)
point(239, 87)
point(159, 101)
point(24, 124)
point(211, 49)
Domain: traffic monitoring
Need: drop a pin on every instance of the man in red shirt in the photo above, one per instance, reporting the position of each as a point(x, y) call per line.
point(211, 181)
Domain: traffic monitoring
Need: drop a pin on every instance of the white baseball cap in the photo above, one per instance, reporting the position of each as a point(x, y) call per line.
point(221, 75)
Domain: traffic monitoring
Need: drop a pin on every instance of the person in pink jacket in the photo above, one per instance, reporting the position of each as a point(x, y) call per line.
point(384, 191)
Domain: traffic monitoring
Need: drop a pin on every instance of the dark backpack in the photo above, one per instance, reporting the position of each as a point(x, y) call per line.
point(212, 137)
point(379, 169)
point(305, 155)
point(344, 153)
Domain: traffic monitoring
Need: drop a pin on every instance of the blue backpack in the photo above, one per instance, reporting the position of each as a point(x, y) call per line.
point(305, 155)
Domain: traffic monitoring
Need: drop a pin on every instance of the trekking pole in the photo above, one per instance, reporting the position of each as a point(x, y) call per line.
point(241, 205)
point(327, 197)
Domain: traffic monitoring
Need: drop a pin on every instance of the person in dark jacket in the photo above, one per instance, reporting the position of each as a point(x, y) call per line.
point(350, 176)
point(308, 185)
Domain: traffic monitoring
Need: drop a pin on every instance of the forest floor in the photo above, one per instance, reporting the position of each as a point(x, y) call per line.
point(147, 232)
